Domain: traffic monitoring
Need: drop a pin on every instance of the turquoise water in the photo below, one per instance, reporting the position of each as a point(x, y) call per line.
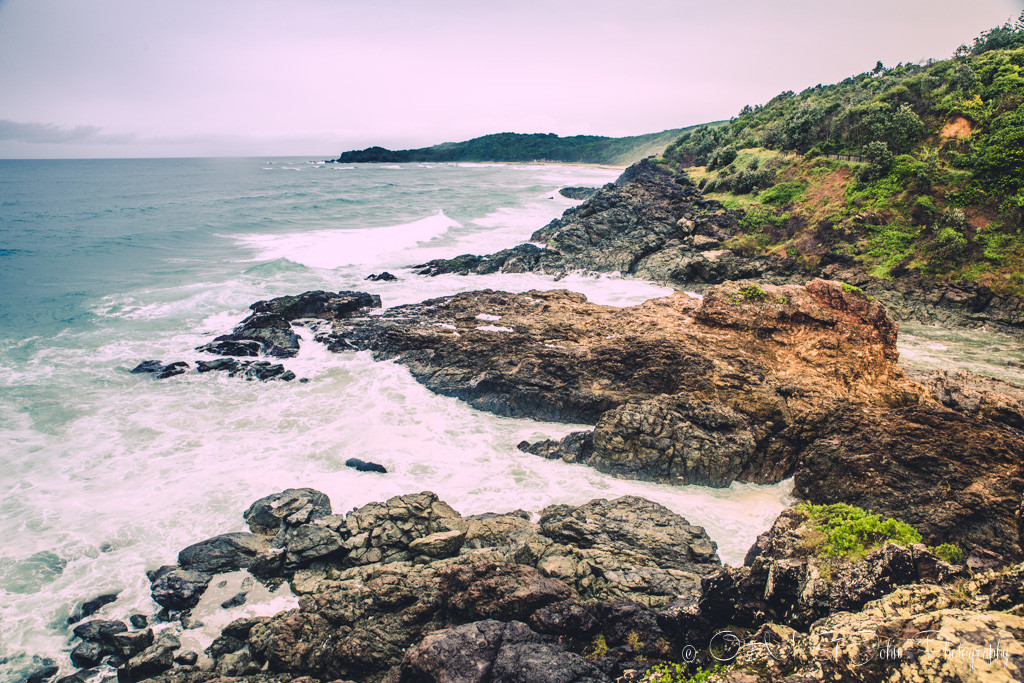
point(104, 474)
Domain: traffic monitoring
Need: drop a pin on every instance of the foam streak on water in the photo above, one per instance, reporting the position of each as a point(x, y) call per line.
point(107, 474)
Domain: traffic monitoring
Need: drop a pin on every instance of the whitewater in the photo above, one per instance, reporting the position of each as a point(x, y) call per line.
point(105, 474)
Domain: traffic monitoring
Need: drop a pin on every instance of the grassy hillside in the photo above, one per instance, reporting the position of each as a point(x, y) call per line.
point(937, 180)
point(591, 149)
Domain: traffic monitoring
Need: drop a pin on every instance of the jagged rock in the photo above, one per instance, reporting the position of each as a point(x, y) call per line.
point(565, 618)
point(382, 532)
point(130, 643)
point(440, 544)
point(363, 466)
point(160, 371)
point(384, 276)
point(155, 659)
point(88, 654)
point(247, 369)
point(91, 607)
point(224, 553)
point(633, 525)
point(269, 325)
point(177, 589)
point(504, 592)
point(288, 508)
point(99, 630)
point(309, 542)
point(46, 671)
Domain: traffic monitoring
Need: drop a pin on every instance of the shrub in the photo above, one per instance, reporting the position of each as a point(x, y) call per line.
point(851, 531)
point(678, 673)
point(783, 193)
point(598, 647)
point(947, 552)
point(880, 161)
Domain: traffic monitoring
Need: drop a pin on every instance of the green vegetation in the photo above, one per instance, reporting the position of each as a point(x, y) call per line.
point(598, 647)
point(918, 167)
point(848, 532)
point(678, 673)
point(590, 149)
point(947, 552)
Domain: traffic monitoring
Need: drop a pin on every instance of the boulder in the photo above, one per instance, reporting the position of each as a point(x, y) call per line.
point(177, 589)
point(224, 553)
point(382, 532)
point(288, 508)
point(155, 659)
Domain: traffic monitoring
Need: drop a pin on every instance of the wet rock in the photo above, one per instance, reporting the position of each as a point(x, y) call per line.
point(155, 659)
point(88, 654)
point(382, 277)
point(148, 366)
point(363, 466)
point(235, 601)
point(288, 508)
point(224, 553)
point(90, 607)
point(263, 371)
point(99, 630)
point(130, 643)
point(45, 672)
point(230, 347)
point(578, 192)
point(178, 589)
point(139, 620)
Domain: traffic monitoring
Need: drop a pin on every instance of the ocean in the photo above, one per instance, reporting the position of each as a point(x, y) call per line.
point(105, 474)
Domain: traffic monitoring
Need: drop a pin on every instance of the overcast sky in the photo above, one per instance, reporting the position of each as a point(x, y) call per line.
point(103, 78)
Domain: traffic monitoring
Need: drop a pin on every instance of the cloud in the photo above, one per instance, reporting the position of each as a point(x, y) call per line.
point(49, 133)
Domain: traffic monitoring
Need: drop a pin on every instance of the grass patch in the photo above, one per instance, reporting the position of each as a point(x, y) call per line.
point(849, 532)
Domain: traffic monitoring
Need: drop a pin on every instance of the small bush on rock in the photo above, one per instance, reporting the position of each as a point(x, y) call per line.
point(851, 532)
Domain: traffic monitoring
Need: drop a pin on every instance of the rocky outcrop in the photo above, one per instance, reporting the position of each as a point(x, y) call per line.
point(653, 224)
point(751, 383)
point(389, 589)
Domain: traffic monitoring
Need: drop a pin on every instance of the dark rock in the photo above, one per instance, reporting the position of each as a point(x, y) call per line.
point(91, 607)
point(130, 643)
point(578, 192)
point(224, 553)
point(288, 508)
point(148, 366)
point(565, 618)
point(178, 368)
point(99, 630)
point(247, 369)
point(239, 628)
point(188, 658)
point(310, 542)
point(88, 654)
point(177, 589)
point(363, 466)
point(382, 277)
point(155, 659)
point(235, 601)
point(223, 645)
point(139, 620)
point(231, 347)
point(496, 652)
point(73, 678)
point(504, 592)
point(46, 671)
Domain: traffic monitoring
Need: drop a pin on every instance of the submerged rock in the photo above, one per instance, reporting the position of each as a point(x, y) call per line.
point(364, 466)
point(384, 276)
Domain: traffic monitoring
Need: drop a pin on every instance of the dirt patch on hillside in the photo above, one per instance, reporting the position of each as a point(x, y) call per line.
point(956, 127)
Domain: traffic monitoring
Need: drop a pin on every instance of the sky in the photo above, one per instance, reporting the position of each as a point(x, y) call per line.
point(136, 78)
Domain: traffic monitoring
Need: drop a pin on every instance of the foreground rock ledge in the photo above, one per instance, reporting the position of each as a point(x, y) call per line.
point(410, 591)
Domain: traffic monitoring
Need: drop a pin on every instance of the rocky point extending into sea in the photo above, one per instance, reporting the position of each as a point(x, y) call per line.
point(770, 373)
